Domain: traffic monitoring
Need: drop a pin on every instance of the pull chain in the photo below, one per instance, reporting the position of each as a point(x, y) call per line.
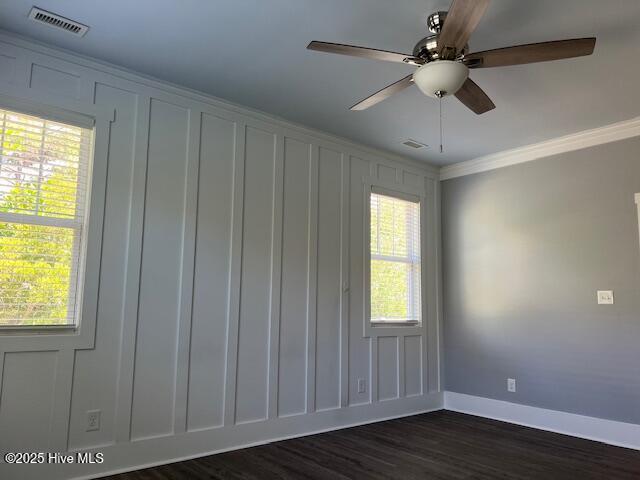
point(440, 100)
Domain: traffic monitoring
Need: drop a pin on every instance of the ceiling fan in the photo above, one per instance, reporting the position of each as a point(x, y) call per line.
point(443, 60)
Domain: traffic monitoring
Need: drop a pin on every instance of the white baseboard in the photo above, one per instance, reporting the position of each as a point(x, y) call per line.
point(612, 432)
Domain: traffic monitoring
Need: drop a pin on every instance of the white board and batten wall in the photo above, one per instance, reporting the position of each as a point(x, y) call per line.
point(230, 304)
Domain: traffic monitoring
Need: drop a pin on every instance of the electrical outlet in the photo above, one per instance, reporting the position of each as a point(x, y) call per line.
point(511, 385)
point(605, 297)
point(93, 420)
point(362, 385)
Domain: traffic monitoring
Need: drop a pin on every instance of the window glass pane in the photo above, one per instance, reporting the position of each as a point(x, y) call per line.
point(40, 168)
point(395, 259)
point(389, 290)
point(35, 274)
point(394, 226)
point(44, 169)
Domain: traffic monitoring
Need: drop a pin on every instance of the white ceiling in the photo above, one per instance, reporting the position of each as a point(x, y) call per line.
point(252, 52)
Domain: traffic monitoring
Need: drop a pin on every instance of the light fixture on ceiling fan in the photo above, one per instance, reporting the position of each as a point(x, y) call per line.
point(443, 60)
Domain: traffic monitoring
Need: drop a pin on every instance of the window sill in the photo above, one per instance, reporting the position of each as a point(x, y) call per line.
point(391, 323)
point(36, 329)
point(36, 338)
point(381, 328)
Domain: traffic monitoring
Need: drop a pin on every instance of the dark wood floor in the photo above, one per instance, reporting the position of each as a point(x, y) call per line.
point(440, 445)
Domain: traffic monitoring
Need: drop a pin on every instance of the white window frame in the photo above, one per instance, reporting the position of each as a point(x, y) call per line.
point(79, 234)
point(82, 334)
point(404, 192)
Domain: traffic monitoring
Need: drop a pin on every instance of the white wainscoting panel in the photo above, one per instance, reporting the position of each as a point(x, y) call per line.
point(160, 276)
point(329, 279)
point(230, 300)
point(413, 365)
point(211, 298)
point(28, 390)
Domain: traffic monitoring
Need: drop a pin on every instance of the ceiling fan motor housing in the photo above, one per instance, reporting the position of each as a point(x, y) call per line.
point(427, 47)
point(441, 78)
point(435, 21)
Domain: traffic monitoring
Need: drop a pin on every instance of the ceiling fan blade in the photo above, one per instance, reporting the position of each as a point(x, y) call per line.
point(386, 92)
point(462, 19)
point(361, 52)
point(474, 97)
point(531, 53)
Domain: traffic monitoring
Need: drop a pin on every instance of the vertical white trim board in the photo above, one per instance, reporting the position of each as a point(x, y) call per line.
point(612, 432)
point(638, 205)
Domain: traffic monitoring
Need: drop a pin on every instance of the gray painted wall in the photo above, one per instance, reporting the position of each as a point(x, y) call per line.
point(525, 250)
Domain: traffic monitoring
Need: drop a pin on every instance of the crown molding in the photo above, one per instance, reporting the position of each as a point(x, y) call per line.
point(576, 141)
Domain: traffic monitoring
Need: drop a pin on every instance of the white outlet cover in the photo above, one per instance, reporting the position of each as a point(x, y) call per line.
point(605, 297)
point(362, 385)
point(511, 384)
point(93, 420)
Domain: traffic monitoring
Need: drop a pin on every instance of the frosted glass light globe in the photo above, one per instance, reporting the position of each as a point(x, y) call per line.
point(444, 76)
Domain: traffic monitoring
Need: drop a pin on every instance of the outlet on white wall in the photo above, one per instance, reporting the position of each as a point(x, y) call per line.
point(362, 385)
point(511, 384)
point(93, 420)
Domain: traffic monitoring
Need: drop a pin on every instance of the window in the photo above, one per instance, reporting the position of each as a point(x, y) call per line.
point(44, 179)
point(395, 259)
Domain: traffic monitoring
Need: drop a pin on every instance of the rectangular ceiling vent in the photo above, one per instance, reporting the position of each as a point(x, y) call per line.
point(56, 21)
point(410, 142)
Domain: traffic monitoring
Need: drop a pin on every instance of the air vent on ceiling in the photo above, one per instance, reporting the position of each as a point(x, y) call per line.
point(56, 21)
point(410, 142)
